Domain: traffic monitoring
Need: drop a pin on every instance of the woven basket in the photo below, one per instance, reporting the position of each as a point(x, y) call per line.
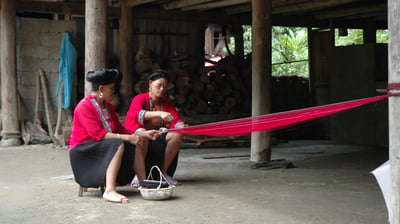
point(157, 193)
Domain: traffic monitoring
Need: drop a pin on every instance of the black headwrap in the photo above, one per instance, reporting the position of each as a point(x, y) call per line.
point(158, 75)
point(104, 76)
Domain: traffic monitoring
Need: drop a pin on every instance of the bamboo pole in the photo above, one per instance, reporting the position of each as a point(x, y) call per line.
point(394, 110)
point(261, 75)
point(95, 37)
point(11, 133)
point(57, 136)
point(46, 103)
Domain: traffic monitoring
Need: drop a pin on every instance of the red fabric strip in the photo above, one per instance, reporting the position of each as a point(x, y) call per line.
point(393, 86)
point(271, 122)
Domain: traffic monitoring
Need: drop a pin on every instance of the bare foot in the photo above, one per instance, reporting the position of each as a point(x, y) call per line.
point(113, 196)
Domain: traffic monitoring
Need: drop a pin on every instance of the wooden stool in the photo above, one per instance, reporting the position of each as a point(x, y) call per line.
point(85, 189)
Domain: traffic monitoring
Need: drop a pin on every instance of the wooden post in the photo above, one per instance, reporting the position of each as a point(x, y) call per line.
point(126, 55)
point(95, 37)
point(261, 75)
point(11, 133)
point(370, 33)
point(238, 34)
point(394, 110)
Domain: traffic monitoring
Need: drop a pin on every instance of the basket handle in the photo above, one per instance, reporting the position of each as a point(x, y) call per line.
point(161, 176)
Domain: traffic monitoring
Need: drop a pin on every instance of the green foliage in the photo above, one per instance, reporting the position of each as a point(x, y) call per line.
point(247, 39)
point(354, 37)
point(290, 47)
point(382, 36)
point(289, 51)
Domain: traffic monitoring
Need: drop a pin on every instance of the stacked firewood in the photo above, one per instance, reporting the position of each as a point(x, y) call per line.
point(222, 89)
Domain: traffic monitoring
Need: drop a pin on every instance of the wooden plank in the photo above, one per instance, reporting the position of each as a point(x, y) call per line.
point(394, 110)
point(132, 3)
point(183, 3)
point(353, 11)
point(193, 17)
point(51, 7)
point(216, 4)
point(75, 9)
point(311, 5)
point(238, 9)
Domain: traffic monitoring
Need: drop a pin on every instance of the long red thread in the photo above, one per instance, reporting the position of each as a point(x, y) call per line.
point(271, 122)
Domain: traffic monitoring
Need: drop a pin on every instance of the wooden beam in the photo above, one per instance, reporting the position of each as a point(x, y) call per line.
point(51, 7)
point(217, 4)
point(183, 3)
point(132, 3)
point(194, 17)
point(238, 9)
point(311, 5)
point(75, 9)
point(352, 11)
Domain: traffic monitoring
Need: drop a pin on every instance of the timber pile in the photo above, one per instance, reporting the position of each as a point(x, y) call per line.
point(224, 89)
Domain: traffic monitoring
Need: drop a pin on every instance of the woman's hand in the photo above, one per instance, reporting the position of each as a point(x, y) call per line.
point(182, 126)
point(166, 116)
point(149, 134)
point(152, 134)
point(136, 140)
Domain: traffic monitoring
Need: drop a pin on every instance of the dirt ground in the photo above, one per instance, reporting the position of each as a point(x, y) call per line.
point(330, 184)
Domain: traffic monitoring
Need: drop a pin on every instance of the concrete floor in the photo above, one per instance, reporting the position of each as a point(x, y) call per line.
point(330, 184)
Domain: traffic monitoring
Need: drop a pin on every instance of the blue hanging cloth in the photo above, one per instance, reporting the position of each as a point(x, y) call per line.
point(68, 57)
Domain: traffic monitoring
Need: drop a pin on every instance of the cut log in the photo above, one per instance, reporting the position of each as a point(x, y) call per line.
point(180, 99)
point(182, 82)
point(198, 87)
point(230, 102)
point(143, 65)
point(201, 107)
point(226, 90)
point(204, 78)
point(141, 87)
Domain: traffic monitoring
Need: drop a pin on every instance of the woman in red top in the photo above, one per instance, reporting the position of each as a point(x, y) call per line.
point(152, 111)
point(100, 147)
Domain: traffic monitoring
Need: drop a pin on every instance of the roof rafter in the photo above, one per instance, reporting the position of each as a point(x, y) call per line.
point(132, 3)
point(348, 12)
point(216, 4)
point(183, 3)
point(311, 5)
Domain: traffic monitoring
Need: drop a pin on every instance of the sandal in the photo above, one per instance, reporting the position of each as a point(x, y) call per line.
point(172, 181)
point(135, 182)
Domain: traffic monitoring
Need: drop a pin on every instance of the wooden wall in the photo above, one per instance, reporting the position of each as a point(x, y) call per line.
point(168, 38)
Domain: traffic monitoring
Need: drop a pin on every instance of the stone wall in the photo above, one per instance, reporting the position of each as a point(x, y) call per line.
point(38, 47)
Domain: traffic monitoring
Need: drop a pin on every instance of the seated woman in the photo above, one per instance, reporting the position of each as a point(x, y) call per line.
point(100, 146)
point(152, 111)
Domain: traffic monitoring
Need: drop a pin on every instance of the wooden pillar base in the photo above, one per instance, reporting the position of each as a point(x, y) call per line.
point(10, 142)
point(10, 138)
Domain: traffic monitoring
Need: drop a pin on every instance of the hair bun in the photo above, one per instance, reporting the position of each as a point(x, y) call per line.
point(103, 76)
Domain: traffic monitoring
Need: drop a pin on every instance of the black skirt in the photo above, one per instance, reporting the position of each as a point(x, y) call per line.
point(90, 160)
point(155, 156)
